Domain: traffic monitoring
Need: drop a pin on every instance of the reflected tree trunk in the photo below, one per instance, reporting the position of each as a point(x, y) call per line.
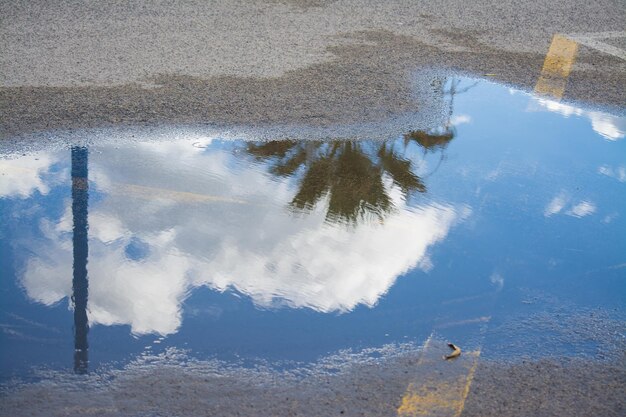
point(80, 284)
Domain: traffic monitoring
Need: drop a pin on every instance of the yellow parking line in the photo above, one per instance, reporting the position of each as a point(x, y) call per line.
point(441, 387)
point(556, 67)
point(468, 383)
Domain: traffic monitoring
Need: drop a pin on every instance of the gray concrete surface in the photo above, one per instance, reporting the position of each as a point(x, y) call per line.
point(67, 65)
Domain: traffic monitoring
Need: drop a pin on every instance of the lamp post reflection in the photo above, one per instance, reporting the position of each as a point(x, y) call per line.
point(80, 284)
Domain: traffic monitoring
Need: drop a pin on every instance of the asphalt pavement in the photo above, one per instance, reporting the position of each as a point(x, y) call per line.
point(67, 65)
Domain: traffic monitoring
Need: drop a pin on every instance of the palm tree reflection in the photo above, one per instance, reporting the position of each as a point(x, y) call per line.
point(350, 174)
point(431, 141)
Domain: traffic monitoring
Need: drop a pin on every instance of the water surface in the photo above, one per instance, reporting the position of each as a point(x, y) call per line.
point(289, 251)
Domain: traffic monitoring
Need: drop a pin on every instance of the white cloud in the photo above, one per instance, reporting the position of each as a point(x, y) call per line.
point(609, 218)
point(619, 173)
point(555, 205)
point(609, 126)
point(497, 280)
point(22, 177)
point(561, 200)
point(242, 238)
point(558, 107)
point(460, 119)
point(582, 209)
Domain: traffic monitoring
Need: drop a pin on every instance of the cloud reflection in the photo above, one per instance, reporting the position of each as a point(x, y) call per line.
point(22, 177)
point(560, 201)
point(582, 209)
point(606, 125)
point(214, 220)
point(619, 173)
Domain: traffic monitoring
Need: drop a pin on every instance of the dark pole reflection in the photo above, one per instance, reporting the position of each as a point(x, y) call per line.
point(80, 284)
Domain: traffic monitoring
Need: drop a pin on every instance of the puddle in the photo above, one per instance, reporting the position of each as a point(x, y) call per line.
point(287, 252)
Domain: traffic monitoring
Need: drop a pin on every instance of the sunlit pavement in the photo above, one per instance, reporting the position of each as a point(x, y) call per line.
point(292, 208)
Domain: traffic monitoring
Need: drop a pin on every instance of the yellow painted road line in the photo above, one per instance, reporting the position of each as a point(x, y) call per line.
point(440, 387)
point(557, 67)
point(468, 383)
point(155, 193)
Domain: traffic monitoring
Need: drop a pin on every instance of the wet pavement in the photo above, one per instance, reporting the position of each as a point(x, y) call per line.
point(189, 269)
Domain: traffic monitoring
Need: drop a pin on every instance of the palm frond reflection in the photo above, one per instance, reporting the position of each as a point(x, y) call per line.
point(352, 178)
